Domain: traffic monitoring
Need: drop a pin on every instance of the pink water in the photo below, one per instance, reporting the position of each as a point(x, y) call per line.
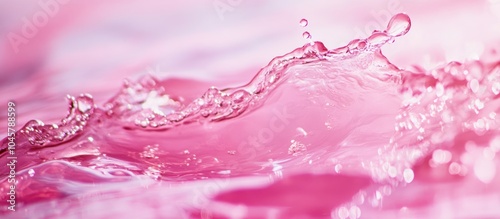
point(316, 133)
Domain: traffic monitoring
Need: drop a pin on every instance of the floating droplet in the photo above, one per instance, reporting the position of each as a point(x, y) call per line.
point(441, 156)
point(398, 25)
point(478, 104)
point(306, 35)
point(31, 172)
point(359, 198)
point(338, 168)
point(495, 88)
point(354, 212)
point(474, 85)
point(408, 175)
point(393, 172)
point(303, 22)
point(485, 170)
point(343, 212)
point(302, 131)
point(439, 90)
point(454, 168)
point(495, 144)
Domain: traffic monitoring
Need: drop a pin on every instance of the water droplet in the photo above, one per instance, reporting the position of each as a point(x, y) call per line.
point(386, 190)
point(355, 212)
point(398, 25)
point(495, 144)
point(85, 103)
point(175, 117)
point(441, 156)
point(474, 85)
point(480, 126)
point(408, 175)
point(302, 131)
point(144, 123)
point(439, 89)
point(240, 96)
point(343, 212)
point(378, 195)
point(359, 198)
point(225, 172)
point(153, 172)
point(479, 105)
point(378, 39)
point(306, 35)
point(393, 172)
point(495, 88)
point(303, 22)
point(31, 172)
point(375, 201)
point(454, 168)
point(485, 170)
point(338, 168)
point(356, 45)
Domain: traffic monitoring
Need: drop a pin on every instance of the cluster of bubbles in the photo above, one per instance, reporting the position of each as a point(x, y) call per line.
point(81, 109)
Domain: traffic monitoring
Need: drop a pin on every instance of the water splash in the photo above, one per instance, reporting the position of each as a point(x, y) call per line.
point(310, 117)
point(81, 109)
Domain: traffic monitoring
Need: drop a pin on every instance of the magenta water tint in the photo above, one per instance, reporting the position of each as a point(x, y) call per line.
point(317, 133)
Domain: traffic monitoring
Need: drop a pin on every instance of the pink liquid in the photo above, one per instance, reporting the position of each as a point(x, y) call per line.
point(317, 133)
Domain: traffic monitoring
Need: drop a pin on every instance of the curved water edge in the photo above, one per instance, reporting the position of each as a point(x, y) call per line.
point(346, 121)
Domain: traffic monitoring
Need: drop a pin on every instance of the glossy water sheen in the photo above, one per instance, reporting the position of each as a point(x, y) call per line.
point(320, 133)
